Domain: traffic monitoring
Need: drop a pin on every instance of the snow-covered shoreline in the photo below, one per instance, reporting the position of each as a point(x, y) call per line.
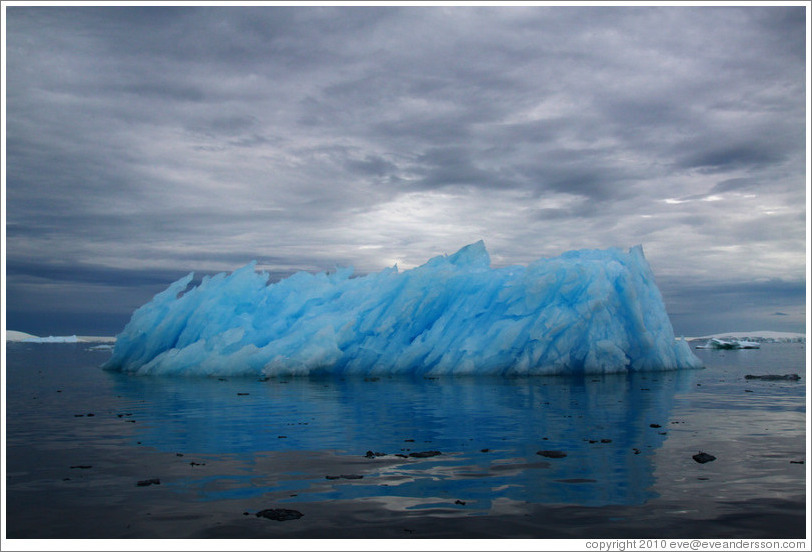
point(760, 336)
point(15, 336)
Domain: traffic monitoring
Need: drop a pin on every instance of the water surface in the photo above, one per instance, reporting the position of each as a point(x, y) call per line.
point(79, 439)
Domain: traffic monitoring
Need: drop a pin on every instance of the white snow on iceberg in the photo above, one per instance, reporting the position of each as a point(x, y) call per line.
point(582, 312)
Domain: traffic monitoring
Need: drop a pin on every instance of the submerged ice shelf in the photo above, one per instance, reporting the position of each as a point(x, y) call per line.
point(591, 311)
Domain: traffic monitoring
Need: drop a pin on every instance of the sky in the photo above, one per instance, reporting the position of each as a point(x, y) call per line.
point(142, 143)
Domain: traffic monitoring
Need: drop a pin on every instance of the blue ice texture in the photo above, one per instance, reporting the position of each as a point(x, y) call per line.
point(584, 312)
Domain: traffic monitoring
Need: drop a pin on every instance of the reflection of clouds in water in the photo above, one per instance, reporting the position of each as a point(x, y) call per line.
point(599, 421)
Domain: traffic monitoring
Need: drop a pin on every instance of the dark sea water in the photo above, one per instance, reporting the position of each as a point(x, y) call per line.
point(339, 451)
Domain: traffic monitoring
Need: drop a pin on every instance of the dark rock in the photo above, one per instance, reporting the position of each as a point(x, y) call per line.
point(349, 476)
point(148, 482)
point(197, 464)
point(796, 461)
point(401, 455)
point(636, 450)
point(280, 514)
point(81, 467)
point(371, 454)
point(485, 450)
point(552, 453)
point(606, 440)
point(408, 440)
point(460, 502)
point(179, 454)
point(655, 425)
point(773, 377)
point(425, 454)
point(242, 394)
point(703, 457)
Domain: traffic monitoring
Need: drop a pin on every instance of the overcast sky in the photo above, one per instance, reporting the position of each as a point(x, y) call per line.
point(145, 143)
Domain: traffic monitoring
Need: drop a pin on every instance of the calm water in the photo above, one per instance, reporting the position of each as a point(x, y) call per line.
point(224, 449)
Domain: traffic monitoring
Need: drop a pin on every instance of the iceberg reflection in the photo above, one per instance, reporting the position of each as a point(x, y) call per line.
point(488, 430)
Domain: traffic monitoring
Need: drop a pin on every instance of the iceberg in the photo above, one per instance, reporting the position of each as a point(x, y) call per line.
point(716, 343)
point(589, 311)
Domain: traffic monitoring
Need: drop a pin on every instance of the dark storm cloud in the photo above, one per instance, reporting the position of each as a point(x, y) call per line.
point(147, 142)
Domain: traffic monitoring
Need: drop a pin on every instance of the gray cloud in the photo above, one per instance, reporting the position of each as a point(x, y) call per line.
point(145, 142)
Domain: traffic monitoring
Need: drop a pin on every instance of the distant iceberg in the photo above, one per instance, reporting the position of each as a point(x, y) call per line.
point(716, 343)
point(583, 312)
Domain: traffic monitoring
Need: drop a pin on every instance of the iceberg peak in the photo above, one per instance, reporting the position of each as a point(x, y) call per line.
point(473, 255)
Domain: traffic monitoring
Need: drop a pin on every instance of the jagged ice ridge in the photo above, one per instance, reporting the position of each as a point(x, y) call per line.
point(591, 311)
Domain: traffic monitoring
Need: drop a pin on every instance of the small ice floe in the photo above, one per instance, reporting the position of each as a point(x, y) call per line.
point(101, 347)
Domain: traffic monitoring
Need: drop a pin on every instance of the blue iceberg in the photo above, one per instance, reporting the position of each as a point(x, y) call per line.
point(591, 311)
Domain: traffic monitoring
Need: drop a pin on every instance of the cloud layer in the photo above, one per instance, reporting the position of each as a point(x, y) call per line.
point(146, 142)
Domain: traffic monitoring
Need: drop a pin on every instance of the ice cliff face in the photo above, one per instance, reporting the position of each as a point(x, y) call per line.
point(582, 312)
